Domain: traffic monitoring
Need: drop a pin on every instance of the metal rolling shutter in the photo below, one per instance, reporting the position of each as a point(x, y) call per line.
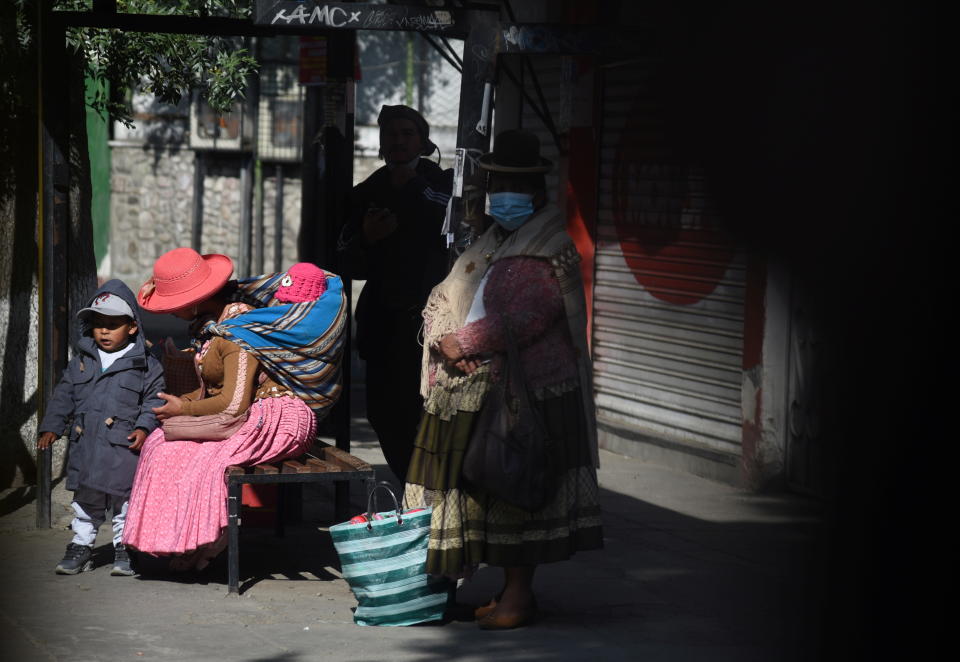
point(669, 293)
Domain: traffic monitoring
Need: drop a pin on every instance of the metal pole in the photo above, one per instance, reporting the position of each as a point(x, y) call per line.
point(234, 496)
point(421, 69)
point(199, 175)
point(257, 184)
point(246, 190)
point(473, 128)
point(278, 220)
point(311, 196)
point(55, 218)
point(258, 227)
point(346, 180)
point(342, 182)
point(408, 76)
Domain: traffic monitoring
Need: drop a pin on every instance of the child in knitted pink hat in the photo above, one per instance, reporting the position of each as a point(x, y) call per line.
point(304, 282)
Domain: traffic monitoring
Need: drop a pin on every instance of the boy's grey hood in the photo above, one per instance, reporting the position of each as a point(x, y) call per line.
point(120, 289)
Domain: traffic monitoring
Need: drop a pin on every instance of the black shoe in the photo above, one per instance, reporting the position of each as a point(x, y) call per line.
point(121, 562)
point(76, 559)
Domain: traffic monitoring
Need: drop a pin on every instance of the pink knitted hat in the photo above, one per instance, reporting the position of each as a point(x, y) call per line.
point(304, 282)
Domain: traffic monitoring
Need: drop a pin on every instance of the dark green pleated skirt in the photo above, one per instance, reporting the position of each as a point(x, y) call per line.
point(469, 527)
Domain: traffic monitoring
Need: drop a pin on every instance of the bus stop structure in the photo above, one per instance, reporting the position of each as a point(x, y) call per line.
point(485, 38)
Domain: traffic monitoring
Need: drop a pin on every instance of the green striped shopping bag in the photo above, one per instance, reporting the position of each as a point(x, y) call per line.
point(385, 561)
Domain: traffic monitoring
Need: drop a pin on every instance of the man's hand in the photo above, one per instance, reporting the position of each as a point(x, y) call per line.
point(173, 406)
point(46, 439)
point(378, 223)
point(137, 438)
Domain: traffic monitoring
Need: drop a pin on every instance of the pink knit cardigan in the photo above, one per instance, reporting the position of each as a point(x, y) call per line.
point(525, 291)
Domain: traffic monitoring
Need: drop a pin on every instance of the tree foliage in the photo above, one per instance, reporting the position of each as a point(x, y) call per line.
point(165, 65)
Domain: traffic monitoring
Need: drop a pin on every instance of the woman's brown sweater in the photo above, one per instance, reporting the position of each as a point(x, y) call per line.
point(233, 379)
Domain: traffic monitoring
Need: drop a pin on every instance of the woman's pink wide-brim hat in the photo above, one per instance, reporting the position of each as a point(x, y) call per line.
point(183, 277)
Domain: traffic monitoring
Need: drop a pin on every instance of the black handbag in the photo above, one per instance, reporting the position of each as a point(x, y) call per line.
point(510, 453)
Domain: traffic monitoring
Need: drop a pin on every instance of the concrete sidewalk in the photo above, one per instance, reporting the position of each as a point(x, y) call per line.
point(692, 570)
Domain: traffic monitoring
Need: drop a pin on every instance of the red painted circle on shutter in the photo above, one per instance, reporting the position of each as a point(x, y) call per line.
point(677, 264)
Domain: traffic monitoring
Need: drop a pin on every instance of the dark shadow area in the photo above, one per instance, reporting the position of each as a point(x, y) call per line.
point(302, 554)
point(157, 327)
point(667, 586)
point(16, 499)
point(819, 127)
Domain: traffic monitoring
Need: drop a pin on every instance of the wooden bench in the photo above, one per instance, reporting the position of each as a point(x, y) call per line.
point(323, 463)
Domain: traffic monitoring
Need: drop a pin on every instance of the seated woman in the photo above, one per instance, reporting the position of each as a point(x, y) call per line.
point(178, 502)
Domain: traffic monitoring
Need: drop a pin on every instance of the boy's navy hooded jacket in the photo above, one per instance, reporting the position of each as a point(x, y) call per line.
point(102, 408)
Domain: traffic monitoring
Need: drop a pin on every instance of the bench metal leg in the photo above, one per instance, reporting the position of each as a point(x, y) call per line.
point(279, 521)
point(233, 528)
point(341, 500)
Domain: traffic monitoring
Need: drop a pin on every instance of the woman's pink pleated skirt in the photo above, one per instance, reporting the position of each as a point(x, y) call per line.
point(179, 497)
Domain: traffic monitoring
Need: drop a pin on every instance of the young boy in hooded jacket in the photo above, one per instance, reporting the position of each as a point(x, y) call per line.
point(104, 404)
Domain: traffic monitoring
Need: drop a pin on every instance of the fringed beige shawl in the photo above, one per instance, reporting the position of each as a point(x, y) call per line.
point(543, 236)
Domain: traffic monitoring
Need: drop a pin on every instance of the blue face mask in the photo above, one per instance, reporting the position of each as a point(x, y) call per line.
point(511, 210)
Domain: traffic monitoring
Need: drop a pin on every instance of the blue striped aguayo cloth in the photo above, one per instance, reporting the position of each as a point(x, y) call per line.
point(386, 567)
point(299, 344)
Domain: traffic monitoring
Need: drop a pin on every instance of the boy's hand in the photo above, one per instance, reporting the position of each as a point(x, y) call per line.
point(46, 439)
point(137, 437)
point(173, 406)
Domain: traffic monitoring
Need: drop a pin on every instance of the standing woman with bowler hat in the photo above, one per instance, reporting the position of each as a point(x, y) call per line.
point(178, 502)
point(393, 240)
point(522, 274)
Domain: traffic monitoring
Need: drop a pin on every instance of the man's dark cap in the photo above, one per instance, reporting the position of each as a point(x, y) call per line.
point(401, 112)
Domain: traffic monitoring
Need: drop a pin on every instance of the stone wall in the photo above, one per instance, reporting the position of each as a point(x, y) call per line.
point(221, 207)
point(151, 207)
point(291, 215)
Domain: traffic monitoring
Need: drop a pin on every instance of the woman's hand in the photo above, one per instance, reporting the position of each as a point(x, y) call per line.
point(137, 438)
point(449, 348)
point(172, 407)
point(468, 366)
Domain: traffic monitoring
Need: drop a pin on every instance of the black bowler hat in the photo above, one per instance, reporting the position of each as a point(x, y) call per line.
point(515, 150)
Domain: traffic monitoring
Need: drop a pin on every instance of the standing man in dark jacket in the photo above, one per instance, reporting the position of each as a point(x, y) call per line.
point(393, 240)
point(104, 404)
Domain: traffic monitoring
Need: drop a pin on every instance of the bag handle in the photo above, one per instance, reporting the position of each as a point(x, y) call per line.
point(370, 500)
point(516, 369)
